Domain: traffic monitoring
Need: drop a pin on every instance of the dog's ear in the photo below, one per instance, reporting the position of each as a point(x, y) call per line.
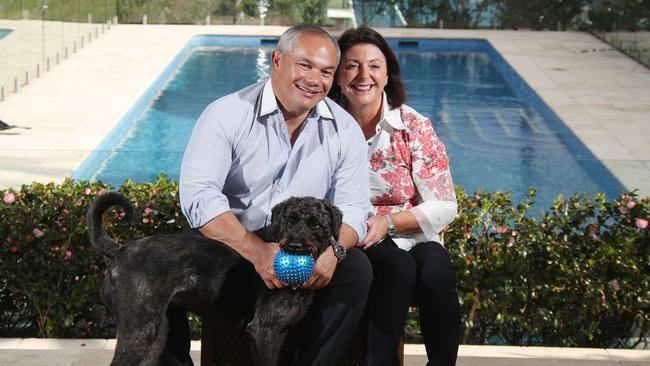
point(336, 218)
point(276, 216)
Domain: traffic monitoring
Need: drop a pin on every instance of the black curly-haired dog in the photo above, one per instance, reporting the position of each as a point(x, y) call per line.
point(143, 277)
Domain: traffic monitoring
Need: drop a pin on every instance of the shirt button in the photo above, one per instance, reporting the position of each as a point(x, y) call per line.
point(369, 143)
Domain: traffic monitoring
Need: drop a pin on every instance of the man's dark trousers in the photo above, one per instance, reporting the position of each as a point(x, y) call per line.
point(322, 336)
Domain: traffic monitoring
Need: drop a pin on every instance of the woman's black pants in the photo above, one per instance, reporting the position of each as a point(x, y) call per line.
point(424, 277)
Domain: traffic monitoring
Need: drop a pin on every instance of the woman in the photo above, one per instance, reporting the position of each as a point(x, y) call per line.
point(413, 199)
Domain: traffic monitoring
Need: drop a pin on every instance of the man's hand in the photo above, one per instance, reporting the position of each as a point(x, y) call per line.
point(263, 262)
point(377, 230)
point(323, 270)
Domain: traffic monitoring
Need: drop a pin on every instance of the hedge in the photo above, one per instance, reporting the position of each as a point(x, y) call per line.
point(576, 274)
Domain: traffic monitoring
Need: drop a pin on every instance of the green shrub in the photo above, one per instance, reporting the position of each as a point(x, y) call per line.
point(575, 275)
point(49, 275)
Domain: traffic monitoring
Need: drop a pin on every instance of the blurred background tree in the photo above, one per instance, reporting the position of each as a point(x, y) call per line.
point(536, 14)
point(312, 11)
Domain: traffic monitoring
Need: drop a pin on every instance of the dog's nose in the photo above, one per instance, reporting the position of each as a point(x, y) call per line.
point(296, 247)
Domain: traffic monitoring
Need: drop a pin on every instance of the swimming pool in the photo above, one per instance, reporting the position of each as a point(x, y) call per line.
point(4, 32)
point(499, 134)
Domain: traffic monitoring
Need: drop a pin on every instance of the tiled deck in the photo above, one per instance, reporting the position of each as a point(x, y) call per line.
point(602, 95)
point(98, 352)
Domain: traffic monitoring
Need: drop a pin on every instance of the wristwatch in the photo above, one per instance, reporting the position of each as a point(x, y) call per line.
point(391, 225)
point(339, 249)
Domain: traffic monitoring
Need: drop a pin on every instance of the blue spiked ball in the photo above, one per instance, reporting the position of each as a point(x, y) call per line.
point(293, 269)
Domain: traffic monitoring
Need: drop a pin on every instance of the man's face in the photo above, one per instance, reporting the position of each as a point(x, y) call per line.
point(303, 77)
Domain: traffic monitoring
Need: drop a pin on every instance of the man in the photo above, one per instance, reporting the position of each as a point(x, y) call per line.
point(263, 144)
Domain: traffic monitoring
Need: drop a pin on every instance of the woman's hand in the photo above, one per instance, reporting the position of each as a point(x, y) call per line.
point(377, 230)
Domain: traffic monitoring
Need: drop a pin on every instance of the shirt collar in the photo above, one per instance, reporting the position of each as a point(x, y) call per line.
point(392, 116)
point(270, 104)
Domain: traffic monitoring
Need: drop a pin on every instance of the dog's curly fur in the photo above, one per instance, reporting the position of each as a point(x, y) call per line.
point(143, 277)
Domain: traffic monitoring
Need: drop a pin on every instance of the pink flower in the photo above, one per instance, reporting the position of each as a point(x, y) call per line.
point(38, 233)
point(102, 192)
point(147, 211)
point(502, 229)
point(86, 191)
point(622, 210)
point(68, 255)
point(641, 223)
point(145, 220)
point(9, 198)
point(155, 191)
point(630, 204)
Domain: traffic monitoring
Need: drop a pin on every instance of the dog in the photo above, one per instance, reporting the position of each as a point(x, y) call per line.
point(144, 277)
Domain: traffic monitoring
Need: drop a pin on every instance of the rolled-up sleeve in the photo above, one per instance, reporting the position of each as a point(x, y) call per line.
point(205, 165)
point(349, 191)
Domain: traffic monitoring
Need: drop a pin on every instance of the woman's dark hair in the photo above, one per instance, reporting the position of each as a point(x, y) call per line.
point(395, 89)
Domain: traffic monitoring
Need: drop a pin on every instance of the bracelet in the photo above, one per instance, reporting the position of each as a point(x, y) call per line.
point(391, 225)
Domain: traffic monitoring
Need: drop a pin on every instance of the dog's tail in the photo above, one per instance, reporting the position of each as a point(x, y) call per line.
point(103, 243)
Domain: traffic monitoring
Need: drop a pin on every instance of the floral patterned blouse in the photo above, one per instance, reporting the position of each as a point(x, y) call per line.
point(409, 170)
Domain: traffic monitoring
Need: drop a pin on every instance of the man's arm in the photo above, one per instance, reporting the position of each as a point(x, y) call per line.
point(351, 194)
point(206, 163)
point(227, 229)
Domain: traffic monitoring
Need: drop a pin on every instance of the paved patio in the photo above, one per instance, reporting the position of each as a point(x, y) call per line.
point(602, 95)
point(98, 352)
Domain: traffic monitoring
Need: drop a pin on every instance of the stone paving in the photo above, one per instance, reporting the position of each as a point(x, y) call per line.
point(601, 95)
point(98, 352)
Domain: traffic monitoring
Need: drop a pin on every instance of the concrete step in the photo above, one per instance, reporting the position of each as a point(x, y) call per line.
point(99, 352)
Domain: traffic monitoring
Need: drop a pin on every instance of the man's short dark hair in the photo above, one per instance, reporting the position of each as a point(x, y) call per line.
point(395, 89)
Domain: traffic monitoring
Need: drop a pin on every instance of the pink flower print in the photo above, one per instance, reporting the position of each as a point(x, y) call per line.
point(9, 198)
point(68, 255)
point(630, 204)
point(377, 161)
point(86, 191)
point(155, 191)
point(38, 233)
point(147, 211)
point(146, 220)
point(641, 223)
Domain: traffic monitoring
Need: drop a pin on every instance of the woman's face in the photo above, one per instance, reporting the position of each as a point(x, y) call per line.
point(362, 76)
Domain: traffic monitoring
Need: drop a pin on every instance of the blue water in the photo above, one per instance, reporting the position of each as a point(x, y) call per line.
point(499, 134)
point(4, 32)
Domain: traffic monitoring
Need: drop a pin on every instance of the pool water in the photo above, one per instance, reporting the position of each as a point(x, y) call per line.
point(4, 32)
point(498, 133)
